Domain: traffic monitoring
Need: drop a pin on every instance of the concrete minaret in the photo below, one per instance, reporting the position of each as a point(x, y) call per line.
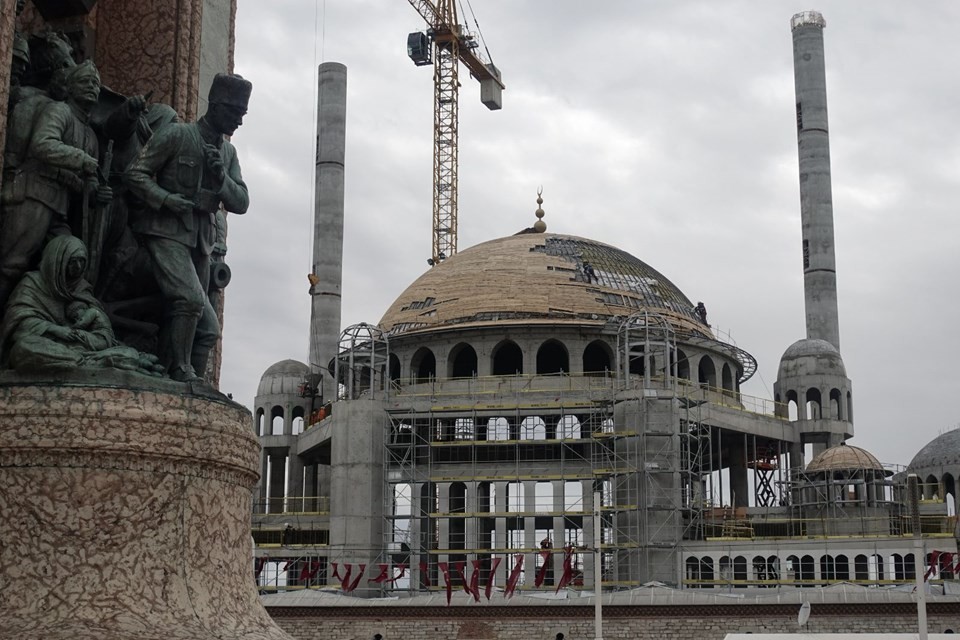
point(816, 198)
point(328, 220)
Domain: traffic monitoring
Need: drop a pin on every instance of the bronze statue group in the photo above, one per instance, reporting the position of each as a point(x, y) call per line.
point(112, 220)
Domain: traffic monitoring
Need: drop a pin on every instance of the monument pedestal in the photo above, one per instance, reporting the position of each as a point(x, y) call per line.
point(125, 514)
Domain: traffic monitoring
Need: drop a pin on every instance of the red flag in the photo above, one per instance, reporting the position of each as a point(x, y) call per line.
point(258, 567)
point(309, 570)
point(934, 556)
point(511, 585)
point(567, 569)
point(359, 577)
point(425, 575)
point(345, 578)
point(445, 570)
point(946, 561)
point(491, 576)
point(336, 570)
point(403, 572)
point(383, 574)
point(461, 570)
point(542, 573)
point(475, 580)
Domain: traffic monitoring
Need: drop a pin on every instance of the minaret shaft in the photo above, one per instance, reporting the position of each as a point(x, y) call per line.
point(816, 197)
point(328, 219)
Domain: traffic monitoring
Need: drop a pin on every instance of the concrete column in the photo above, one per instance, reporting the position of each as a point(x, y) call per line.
point(328, 219)
point(470, 522)
point(559, 530)
point(310, 488)
point(816, 198)
point(530, 530)
point(278, 469)
point(443, 524)
point(588, 540)
point(738, 475)
point(356, 484)
point(294, 483)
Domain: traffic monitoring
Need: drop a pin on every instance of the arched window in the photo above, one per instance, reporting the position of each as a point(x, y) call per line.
point(683, 365)
point(727, 377)
point(726, 569)
point(861, 567)
point(260, 423)
point(813, 404)
point(498, 429)
point(773, 568)
point(394, 367)
point(597, 358)
point(949, 493)
point(424, 365)
point(276, 421)
point(828, 568)
point(463, 361)
point(842, 567)
point(707, 372)
point(533, 428)
point(793, 567)
point(793, 411)
point(507, 359)
point(806, 571)
point(876, 567)
point(706, 569)
point(552, 358)
point(931, 488)
point(693, 569)
point(836, 402)
point(299, 413)
point(740, 571)
point(637, 360)
point(568, 427)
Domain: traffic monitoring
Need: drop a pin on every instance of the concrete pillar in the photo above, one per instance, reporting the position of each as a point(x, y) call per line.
point(443, 524)
point(588, 539)
point(470, 522)
point(739, 487)
point(294, 483)
point(278, 469)
point(328, 220)
point(357, 484)
point(816, 198)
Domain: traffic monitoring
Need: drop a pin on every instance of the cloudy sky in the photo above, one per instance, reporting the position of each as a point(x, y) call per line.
point(663, 127)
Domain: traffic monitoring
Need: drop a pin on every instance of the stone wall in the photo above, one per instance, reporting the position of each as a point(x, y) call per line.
point(626, 623)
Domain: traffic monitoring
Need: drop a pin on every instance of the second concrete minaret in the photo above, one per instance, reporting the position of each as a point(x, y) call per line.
point(816, 197)
point(326, 278)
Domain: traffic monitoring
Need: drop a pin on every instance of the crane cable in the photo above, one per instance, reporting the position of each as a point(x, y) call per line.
point(479, 33)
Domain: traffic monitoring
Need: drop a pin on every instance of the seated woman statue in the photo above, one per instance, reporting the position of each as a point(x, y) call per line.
point(53, 322)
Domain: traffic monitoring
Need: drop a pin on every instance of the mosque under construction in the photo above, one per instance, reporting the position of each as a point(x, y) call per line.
point(544, 411)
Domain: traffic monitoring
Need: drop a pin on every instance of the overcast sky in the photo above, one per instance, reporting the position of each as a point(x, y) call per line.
point(665, 128)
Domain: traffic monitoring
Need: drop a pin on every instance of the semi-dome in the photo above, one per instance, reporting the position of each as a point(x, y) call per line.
point(944, 450)
point(844, 457)
point(538, 278)
point(284, 377)
point(812, 356)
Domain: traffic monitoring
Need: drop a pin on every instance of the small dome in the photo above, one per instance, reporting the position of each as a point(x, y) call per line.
point(811, 356)
point(845, 458)
point(281, 378)
point(941, 451)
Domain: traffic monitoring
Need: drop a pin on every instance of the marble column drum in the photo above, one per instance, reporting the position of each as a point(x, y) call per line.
point(125, 513)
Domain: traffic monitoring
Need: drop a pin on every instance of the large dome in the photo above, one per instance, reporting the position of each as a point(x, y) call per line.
point(944, 450)
point(539, 278)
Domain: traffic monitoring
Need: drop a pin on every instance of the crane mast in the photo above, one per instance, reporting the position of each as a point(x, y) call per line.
point(446, 44)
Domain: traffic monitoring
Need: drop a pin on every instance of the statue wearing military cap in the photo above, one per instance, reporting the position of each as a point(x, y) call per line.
point(183, 175)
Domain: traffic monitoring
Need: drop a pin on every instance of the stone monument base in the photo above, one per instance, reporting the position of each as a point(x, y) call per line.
point(125, 514)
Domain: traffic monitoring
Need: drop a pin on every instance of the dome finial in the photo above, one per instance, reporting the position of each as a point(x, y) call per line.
point(539, 226)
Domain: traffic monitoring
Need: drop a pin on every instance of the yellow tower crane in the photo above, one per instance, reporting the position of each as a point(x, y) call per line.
point(445, 43)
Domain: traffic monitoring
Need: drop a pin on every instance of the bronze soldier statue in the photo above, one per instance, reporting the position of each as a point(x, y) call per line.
point(182, 175)
point(56, 180)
